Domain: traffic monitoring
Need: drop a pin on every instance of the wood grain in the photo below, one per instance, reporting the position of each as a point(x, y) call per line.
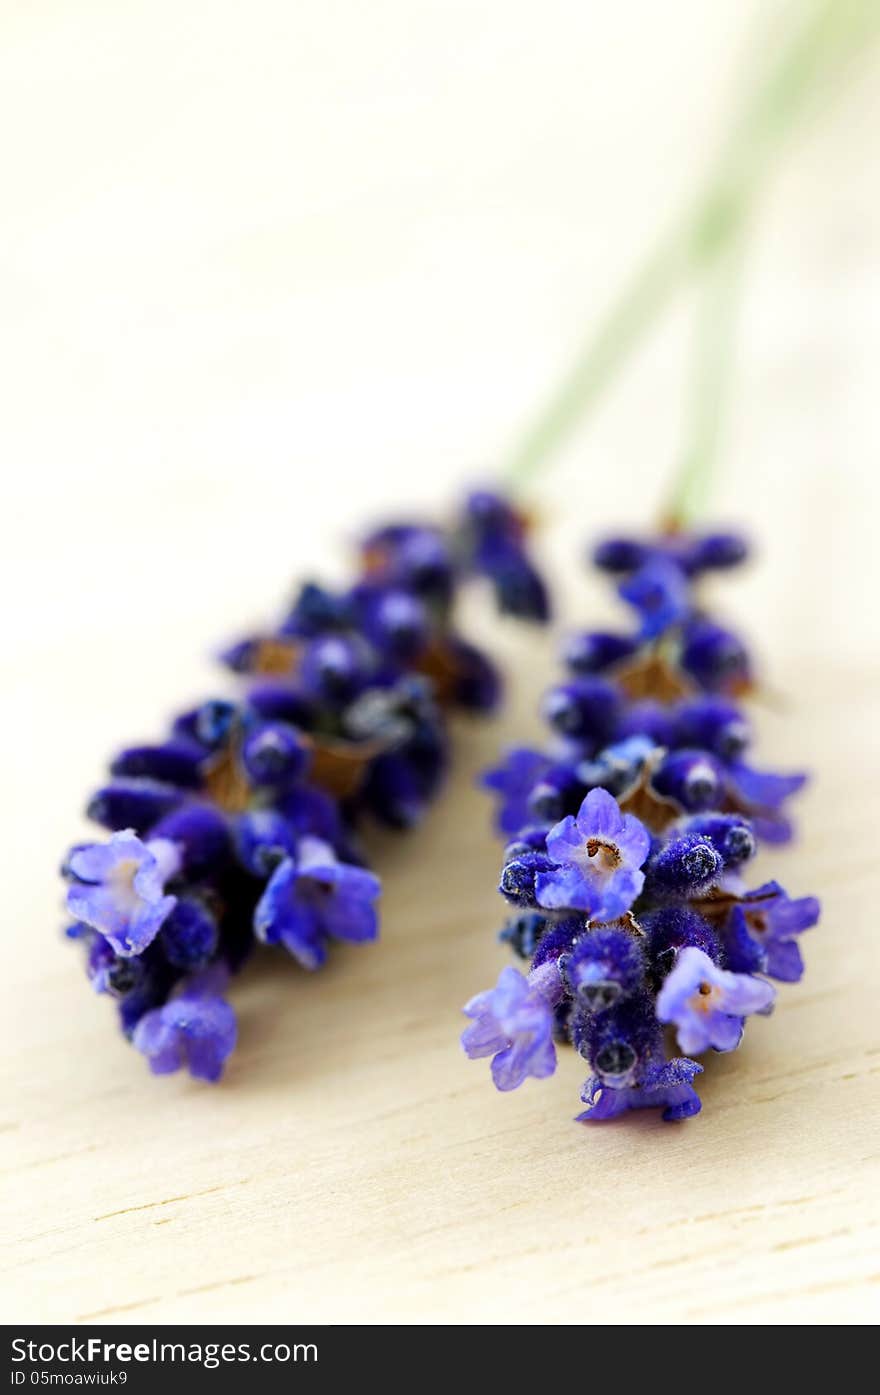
point(355, 1166)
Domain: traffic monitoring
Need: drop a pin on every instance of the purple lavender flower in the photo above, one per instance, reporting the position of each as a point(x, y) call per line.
point(514, 780)
point(636, 895)
point(708, 1005)
point(692, 553)
point(660, 595)
point(109, 972)
point(671, 928)
point(594, 651)
point(620, 1039)
point(762, 928)
point(603, 967)
point(711, 723)
point(405, 778)
point(667, 1086)
point(313, 897)
point(413, 557)
point(120, 888)
point(274, 754)
point(715, 658)
point(583, 710)
point(176, 762)
point(494, 537)
point(316, 611)
point(761, 794)
point(620, 768)
point(135, 803)
point(513, 1023)
point(189, 937)
point(196, 1028)
point(335, 668)
point(253, 804)
point(694, 779)
point(682, 867)
point(396, 621)
point(474, 682)
point(598, 853)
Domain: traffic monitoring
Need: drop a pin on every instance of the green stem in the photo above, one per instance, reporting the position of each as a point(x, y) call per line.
point(813, 63)
point(599, 359)
point(712, 365)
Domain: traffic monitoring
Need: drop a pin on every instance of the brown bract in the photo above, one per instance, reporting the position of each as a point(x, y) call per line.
point(439, 663)
point(642, 800)
point(275, 657)
point(340, 767)
point(653, 675)
point(226, 783)
point(628, 924)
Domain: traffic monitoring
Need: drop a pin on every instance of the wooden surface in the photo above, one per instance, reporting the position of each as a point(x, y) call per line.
point(213, 375)
point(354, 1166)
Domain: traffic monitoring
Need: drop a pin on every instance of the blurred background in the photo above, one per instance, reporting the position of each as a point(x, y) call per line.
point(270, 272)
point(281, 262)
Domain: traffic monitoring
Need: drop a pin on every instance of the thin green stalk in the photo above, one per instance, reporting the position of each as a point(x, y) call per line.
point(599, 360)
point(813, 65)
point(710, 382)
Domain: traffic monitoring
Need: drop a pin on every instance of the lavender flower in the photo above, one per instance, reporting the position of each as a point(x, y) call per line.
point(660, 595)
point(513, 1023)
point(761, 929)
point(708, 1005)
point(313, 897)
point(666, 1085)
point(514, 780)
point(120, 889)
point(692, 553)
point(242, 825)
point(195, 1028)
point(597, 855)
point(604, 967)
point(495, 536)
point(628, 842)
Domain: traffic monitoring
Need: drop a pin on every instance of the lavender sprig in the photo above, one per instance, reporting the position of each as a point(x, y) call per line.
point(241, 825)
point(628, 837)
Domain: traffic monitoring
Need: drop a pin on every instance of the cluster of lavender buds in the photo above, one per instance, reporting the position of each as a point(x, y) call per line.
point(629, 839)
point(241, 825)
